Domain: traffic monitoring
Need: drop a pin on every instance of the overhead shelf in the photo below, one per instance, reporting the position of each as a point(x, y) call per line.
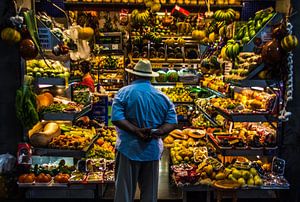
point(117, 6)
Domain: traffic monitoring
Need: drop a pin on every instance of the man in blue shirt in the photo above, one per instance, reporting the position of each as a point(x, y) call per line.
point(142, 115)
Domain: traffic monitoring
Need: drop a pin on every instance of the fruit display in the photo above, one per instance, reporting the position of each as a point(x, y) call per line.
point(200, 121)
point(58, 105)
point(61, 178)
point(228, 15)
point(232, 49)
point(43, 178)
point(246, 101)
point(246, 62)
point(177, 94)
point(104, 145)
point(72, 138)
point(215, 83)
point(81, 95)
point(46, 68)
point(95, 177)
point(254, 25)
point(26, 178)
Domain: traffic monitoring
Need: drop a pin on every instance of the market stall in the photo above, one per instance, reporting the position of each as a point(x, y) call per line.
point(226, 68)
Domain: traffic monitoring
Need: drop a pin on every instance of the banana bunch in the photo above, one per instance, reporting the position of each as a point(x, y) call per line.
point(170, 41)
point(137, 40)
point(226, 31)
point(225, 15)
point(139, 18)
point(232, 49)
point(155, 37)
point(180, 41)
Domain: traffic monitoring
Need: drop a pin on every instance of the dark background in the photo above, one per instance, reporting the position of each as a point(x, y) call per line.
point(11, 131)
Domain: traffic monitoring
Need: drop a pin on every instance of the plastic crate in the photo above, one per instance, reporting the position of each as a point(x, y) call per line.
point(45, 37)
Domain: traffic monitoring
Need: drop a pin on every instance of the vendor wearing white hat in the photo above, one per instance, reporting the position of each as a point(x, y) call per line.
point(142, 115)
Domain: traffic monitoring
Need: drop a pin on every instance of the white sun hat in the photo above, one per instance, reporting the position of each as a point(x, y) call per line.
point(143, 68)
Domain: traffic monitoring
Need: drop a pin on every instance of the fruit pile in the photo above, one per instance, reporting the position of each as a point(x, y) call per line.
point(215, 83)
point(249, 30)
point(246, 62)
point(104, 145)
point(170, 75)
point(139, 18)
point(48, 68)
point(228, 15)
point(177, 94)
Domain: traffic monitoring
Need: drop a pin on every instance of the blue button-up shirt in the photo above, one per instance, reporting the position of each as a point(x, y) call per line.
point(145, 106)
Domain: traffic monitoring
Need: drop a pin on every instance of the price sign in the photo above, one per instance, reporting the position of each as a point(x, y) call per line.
point(179, 85)
point(115, 46)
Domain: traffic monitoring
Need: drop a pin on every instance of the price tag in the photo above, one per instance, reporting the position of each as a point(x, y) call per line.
point(179, 85)
point(115, 46)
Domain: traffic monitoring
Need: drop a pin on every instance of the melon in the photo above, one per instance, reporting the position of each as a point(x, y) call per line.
point(162, 76)
point(172, 76)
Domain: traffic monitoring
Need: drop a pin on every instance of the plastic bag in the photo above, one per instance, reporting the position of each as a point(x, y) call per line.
point(7, 163)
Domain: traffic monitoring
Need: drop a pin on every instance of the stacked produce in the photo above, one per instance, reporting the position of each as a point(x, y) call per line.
point(246, 101)
point(215, 83)
point(170, 75)
point(246, 62)
point(247, 135)
point(73, 138)
point(177, 94)
point(46, 68)
point(47, 174)
point(254, 25)
point(104, 145)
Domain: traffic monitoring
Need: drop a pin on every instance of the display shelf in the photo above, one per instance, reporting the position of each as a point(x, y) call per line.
point(208, 117)
point(70, 116)
point(256, 83)
point(243, 117)
point(250, 45)
point(50, 81)
point(119, 6)
point(111, 52)
point(58, 152)
point(247, 151)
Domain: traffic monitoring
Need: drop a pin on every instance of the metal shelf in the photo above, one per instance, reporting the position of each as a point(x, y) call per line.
point(243, 152)
point(240, 117)
point(214, 92)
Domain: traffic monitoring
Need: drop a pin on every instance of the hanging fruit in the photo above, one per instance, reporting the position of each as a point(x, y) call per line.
point(28, 49)
point(85, 33)
point(289, 43)
point(10, 35)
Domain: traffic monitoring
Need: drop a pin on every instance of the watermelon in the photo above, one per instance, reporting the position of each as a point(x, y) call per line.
point(172, 76)
point(162, 76)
